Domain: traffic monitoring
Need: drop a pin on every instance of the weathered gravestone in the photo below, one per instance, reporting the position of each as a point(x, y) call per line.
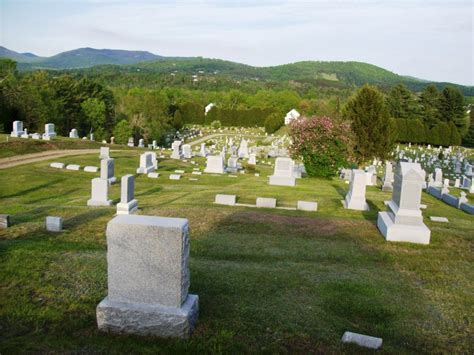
point(403, 222)
point(127, 204)
point(187, 153)
point(214, 164)
point(355, 198)
point(107, 170)
point(17, 129)
point(148, 278)
point(146, 163)
point(4, 221)
point(388, 178)
point(49, 131)
point(283, 174)
point(176, 146)
point(54, 224)
point(73, 133)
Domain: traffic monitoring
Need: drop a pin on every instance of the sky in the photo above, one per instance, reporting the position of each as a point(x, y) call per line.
point(428, 39)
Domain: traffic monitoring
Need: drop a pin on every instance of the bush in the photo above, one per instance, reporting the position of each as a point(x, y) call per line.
point(216, 124)
point(122, 132)
point(273, 122)
point(323, 144)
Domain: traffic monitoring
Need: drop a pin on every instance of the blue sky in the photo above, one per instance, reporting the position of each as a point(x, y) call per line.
point(428, 39)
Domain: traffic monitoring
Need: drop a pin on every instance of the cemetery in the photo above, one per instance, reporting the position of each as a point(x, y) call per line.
point(253, 247)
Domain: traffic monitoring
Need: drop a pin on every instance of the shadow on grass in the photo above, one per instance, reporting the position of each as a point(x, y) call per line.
point(340, 190)
point(33, 189)
point(53, 196)
point(85, 218)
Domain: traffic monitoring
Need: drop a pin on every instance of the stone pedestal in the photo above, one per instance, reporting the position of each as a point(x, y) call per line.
point(403, 221)
point(148, 278)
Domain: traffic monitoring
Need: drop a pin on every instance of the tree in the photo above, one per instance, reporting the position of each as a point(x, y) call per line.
point(177, 121)
point(430, 101)
point(452, 108)
point(468, 139)
point(324, 144)
point(374, 132)
point(454, 136)
point(401, 103)
point(122, 132)
point(94, 111)
point(273, 122)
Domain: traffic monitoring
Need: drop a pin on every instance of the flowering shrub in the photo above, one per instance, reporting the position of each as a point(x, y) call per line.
point(322, 143)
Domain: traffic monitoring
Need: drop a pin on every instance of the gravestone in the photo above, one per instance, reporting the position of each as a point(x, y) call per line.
point(187, 153)
point(104, 153)
point(146, 163)
point(355, 198)
point(17, 129)
point(388, 178)
point(403, 221)
point(371, 176)
point(438, 177)
point(214, 164)
point(130, 143)
point(54, 224)
point(25, 134)
point(99, 193)
point(283, 174)
point(127, 204)
point(57, 165)
point(49, 131)
point(73, 133)
point(252, 159)
point(107, 167)
point(4, 221)
point(307, 206)
point(141, 143)
point(176, 146)
point(232, 165)
point(228, 200)
point(148, 278)
point(243, 151)
point(203, 152)
point(265, 202)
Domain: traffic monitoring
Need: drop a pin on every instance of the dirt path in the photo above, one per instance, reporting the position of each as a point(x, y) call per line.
point(35, 157)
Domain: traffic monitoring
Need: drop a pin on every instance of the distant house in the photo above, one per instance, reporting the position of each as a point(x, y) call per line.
point(292, 115)
point(208, 108)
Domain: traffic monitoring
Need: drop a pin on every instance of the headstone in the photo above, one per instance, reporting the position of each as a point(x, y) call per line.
point(388, 178)
point(91, 169)
point(214, 164)
point(74, 167)
point(243, 151)
point(175, 177)
point(203, 152)
point(36, 136)
point(107, 170)
point(266, 202)
point(112, 140)
point(54, 224)
point(99, 193)
point(307, 206)
point(232, 165)
point(146, 163)
point(91, 136)
point(403, 222)
point(4, 221)
point(141, 143)
point(355, 198)
point(104, 153)
point(283, 174)
point(365, 341)
point(252, 159)
point(176, 146)
point(439, 219)
point(17, 129)
point(187, 153)
point(371, 176)
point(49, 131)
point(57, 165)
point(131, 143)
point(438, 177)
point(148, 278)
point(228, 200)
point(25, 134)
point(127, 204)
point(153, 175)
point(73, 133)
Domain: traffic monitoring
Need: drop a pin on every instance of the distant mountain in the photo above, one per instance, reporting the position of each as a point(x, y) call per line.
point(336, 73)
point(78, 58)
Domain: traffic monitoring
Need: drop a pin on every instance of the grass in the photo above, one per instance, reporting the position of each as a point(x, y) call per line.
point(268, 280)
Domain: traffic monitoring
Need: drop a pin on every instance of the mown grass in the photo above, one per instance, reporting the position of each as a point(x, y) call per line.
point(268, 280)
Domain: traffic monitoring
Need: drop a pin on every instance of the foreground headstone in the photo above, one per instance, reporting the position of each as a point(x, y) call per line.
point(283, 174)
point(214, 164)
point(4, 221)
point(54, 224)
point(176, 146)
point(403, 222)
point(99, 193)
point(266, 202)
point(127, 204)
point(148, 278)
point(362, 340)
point(355, 198)
point(17, 129)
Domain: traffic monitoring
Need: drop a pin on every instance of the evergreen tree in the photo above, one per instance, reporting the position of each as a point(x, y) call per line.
point(430, 100)
point(401, 103)
point(374, 132)
point(454, 136)
point(468, 140)
point(274, 122)
point(452, 108)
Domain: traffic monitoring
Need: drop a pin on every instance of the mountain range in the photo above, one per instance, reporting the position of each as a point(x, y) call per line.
point(349, 73)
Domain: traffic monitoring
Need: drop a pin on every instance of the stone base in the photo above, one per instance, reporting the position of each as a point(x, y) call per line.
point(387, 187)
point(419, 234)
point(148, 319)
point(99, 203)
point(282, 181)
point(356, 205)
point(150, 169)
point(127, 207)
point(214, 171)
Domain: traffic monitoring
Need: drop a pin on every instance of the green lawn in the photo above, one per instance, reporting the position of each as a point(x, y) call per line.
point(268, 280)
